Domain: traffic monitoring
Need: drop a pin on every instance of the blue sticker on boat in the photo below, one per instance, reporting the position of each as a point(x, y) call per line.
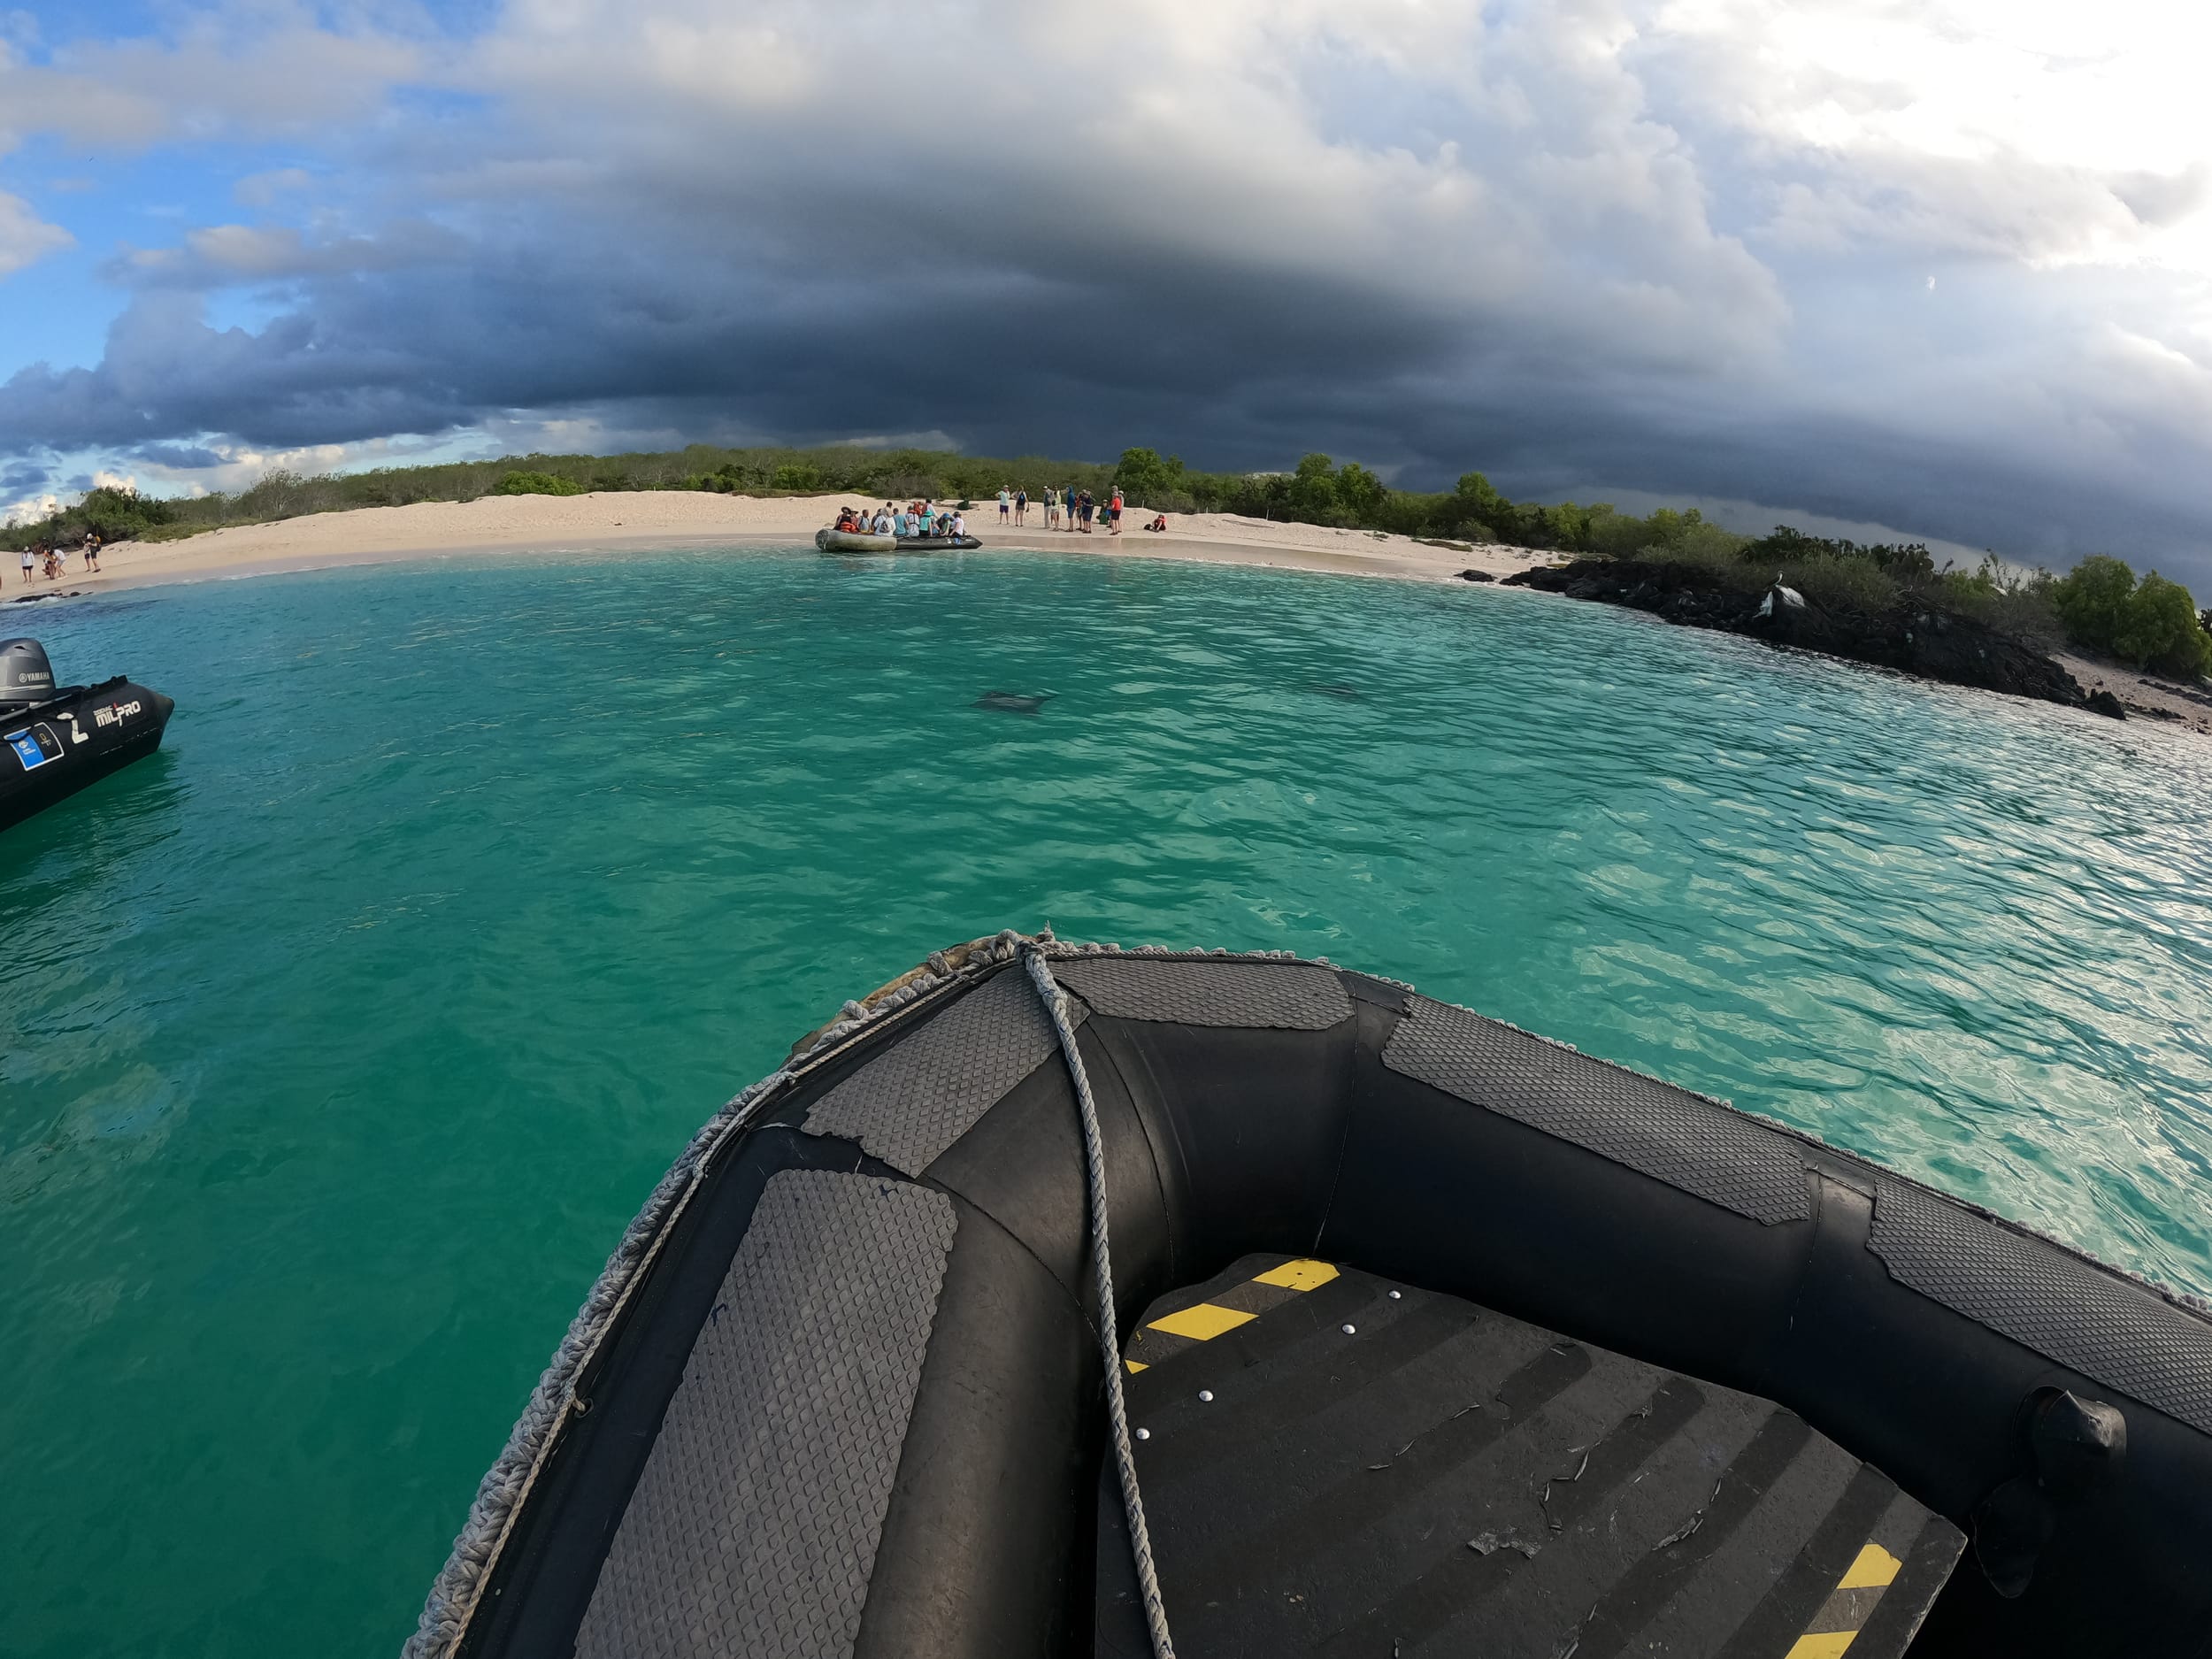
point(27, 749)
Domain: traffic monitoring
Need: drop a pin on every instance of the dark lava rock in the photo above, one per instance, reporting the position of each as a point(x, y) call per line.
point(1935, 645)
point(1477, 576)
point(2105, 702)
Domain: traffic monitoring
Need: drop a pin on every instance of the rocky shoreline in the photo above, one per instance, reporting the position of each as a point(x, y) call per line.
point(1931, 644)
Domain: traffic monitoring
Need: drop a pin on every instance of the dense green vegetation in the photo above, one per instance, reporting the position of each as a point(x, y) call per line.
point(2101, 605)
point(2153, 623)
point(536, 484)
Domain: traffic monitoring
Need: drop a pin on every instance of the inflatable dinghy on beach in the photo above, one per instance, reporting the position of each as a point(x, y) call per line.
point(1428, 1336)
point(55, 740)
point(855, 542)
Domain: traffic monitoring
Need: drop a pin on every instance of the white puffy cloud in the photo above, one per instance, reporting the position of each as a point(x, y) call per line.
point(24, 236)
point(230, 71)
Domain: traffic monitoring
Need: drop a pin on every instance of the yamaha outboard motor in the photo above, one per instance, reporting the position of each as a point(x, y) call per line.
point(56, 740)
point(26, 676)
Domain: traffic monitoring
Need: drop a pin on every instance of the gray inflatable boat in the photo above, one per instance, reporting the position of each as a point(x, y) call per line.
point(1063, 1300)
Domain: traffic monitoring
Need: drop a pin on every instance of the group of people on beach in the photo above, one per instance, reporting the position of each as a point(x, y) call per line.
point(916, 517)
point(1068, 508)
point(1064, 508)
point(44, 556)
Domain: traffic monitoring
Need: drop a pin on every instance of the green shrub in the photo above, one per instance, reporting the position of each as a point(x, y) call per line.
point(1679, 538)
point(536, 484)
point(2153, 624)
point(2093, 601)
point(1909, 562)
point(1714, 561)
point(1843, 582)
point(2015, 603)
point(1616, 535)
point(1144, 477)
point(277, 495)
point(795, 476)
point(1314, 496)
point(2162, 632)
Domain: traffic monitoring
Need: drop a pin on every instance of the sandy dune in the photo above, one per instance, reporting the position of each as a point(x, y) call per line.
point(642, 521)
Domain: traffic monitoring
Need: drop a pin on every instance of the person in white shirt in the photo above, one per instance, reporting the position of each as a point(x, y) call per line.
point(960, 524)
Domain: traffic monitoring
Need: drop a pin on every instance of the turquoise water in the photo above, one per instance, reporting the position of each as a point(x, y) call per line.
point(338, 1042)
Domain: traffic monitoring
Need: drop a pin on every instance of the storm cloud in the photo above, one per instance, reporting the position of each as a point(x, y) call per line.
point(1727, 248)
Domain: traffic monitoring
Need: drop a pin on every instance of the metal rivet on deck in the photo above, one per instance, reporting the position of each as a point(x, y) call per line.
point(1144, 1434)
point(1351, 1330)
point(1397, 1295)
point(1206, 1394)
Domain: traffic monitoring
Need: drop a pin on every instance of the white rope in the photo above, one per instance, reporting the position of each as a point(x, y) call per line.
point(1108, 1336)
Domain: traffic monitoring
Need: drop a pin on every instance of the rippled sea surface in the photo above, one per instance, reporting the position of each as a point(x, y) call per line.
point(338, 1042)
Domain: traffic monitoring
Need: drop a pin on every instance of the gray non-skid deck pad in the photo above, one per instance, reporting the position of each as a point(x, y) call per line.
point(926, 1091)
point(1693, 1144)
point(1444, 1481)
point(754, 1527)
point(2066, 1310)
point(1280, 995)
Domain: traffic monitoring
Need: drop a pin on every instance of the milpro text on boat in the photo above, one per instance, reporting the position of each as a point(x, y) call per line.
point(54, 741)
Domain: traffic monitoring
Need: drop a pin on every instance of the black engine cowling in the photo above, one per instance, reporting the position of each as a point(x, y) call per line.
point(26, 676)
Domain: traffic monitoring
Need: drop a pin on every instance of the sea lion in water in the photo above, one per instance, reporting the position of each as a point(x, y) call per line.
point(1011, 702)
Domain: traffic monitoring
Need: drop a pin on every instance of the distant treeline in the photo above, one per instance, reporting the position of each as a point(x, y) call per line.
point(2100, 604)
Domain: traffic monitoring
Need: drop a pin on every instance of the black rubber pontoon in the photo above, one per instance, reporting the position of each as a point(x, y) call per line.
point(55, 740)
point(1659, 1377)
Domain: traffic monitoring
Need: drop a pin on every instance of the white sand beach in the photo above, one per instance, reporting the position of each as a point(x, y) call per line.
point(616, 524)
point(624, 522)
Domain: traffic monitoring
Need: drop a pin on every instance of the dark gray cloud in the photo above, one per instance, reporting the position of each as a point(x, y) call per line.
point(1536, 241)
point(182, 457)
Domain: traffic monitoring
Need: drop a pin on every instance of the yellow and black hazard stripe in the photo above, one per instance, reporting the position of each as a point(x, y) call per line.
point(1224, 1310)
point(1849, 1605)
